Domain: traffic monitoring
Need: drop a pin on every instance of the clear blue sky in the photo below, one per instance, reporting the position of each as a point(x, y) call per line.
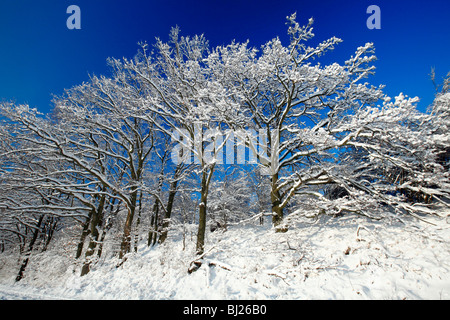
point(39, 55)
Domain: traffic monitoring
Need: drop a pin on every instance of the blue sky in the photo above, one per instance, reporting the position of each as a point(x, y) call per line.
point(40, 56)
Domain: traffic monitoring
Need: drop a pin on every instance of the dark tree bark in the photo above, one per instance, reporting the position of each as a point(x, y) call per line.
point(96, 221)
point(107, 225)
point(50, 228)
point(125, 246)
point(84, 234)
point(206, 179)
point(168, 213)
point(30, 249)
point(275, 197)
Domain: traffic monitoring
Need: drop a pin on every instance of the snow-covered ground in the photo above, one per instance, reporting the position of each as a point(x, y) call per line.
point(348, 257)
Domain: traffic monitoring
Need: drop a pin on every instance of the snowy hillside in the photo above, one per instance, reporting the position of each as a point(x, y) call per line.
point(348, 257)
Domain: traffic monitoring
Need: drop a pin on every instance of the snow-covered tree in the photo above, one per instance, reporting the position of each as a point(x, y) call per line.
point(38, 187)
point(307, 110)
point(312, 113)
point(231, 198)
point(193, 105)
point(103, 147)
point(104, 114)
point(440, 121)
point(120, 148)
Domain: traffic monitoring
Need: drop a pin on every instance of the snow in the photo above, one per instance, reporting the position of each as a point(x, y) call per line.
point(349, 257)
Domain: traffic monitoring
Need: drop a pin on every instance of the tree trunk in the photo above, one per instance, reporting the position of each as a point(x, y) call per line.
point(168, 213)
point(30, 249)
point(152, 234)
point(201, 227)
point(277, 213)
point(275, 197)
point(125, 246)
point(107, 225)
point(153, 224)
point(138, 223)
point(206, 178)
point(84, 234)
point(96, 221)
point(52, 223)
